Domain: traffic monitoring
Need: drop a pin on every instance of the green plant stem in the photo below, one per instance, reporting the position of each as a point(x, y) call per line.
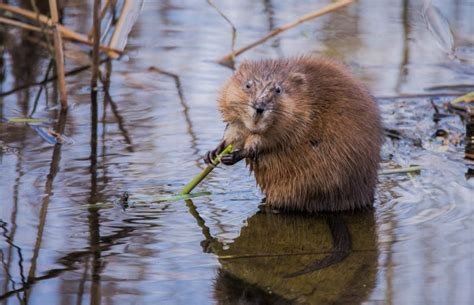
point(24, 120)
point(191, 185)
point(467, 98)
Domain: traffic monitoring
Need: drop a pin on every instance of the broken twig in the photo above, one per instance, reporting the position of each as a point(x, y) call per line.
point(402, 170)
point(234, 30)
point(226, 60)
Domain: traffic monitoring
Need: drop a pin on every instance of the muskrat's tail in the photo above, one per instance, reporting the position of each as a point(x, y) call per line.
point(342, 246)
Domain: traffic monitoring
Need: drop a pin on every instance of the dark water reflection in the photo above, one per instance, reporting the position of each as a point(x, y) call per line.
point(293, 259)
point(146, 129)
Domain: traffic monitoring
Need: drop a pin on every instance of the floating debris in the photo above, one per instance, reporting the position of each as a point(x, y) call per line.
point(26, 120)
point(461, 103)
point(441, 133)
point(122, 202)
point(401, 170)
point(126, 201)
point(51, 136)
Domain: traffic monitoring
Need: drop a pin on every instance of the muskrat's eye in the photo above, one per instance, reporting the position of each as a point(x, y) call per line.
point(278, 89)
point(248, 84)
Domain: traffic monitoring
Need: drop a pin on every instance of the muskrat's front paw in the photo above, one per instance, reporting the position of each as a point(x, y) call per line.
point(212, 155)
point(209, 156)
point(232, 158)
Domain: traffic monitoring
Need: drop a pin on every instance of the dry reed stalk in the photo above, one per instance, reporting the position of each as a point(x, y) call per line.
point(53, 8)
point(227, 59)
point(33, 28)
point(20, 24)
point(95, 48)
point(65, 31)
point(102, 15)
point(59, 59)
point(121, 22)
point(58, 53)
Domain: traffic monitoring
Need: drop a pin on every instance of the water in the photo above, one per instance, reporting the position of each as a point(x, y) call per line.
point(415, 247)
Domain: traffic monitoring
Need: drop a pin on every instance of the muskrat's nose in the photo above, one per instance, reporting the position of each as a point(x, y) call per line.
point(259, 107)
point(259, 110)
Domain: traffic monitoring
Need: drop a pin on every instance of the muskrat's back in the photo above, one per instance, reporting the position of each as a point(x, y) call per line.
point(309, 131)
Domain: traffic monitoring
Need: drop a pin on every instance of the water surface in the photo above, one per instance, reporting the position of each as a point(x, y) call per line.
point(145, 135)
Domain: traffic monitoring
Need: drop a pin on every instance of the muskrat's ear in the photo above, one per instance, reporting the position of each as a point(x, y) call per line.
point(297, 79)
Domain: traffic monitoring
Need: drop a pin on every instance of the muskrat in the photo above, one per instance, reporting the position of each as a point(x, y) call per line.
point(309, 131)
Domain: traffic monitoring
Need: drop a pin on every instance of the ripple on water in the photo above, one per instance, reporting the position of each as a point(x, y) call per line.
point(413, 209)
point(150, 139)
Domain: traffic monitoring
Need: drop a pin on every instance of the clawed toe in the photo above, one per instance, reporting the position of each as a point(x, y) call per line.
point(211, 156)
point(207, 157)
point(227, 159)
point(232, 158)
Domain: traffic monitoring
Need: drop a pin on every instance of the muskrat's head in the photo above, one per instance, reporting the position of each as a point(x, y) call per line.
point(264, 94)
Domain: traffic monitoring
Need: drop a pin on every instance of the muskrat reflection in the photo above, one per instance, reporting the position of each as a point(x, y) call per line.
point(294, 258)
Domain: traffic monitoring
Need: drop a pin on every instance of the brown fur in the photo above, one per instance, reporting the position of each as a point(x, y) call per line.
point(317, 145)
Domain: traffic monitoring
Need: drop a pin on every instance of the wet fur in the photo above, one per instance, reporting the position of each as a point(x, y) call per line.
point(318, 148)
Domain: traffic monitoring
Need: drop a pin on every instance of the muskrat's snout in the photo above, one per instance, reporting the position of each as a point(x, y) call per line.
point(259, 107)
point(259, 116)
